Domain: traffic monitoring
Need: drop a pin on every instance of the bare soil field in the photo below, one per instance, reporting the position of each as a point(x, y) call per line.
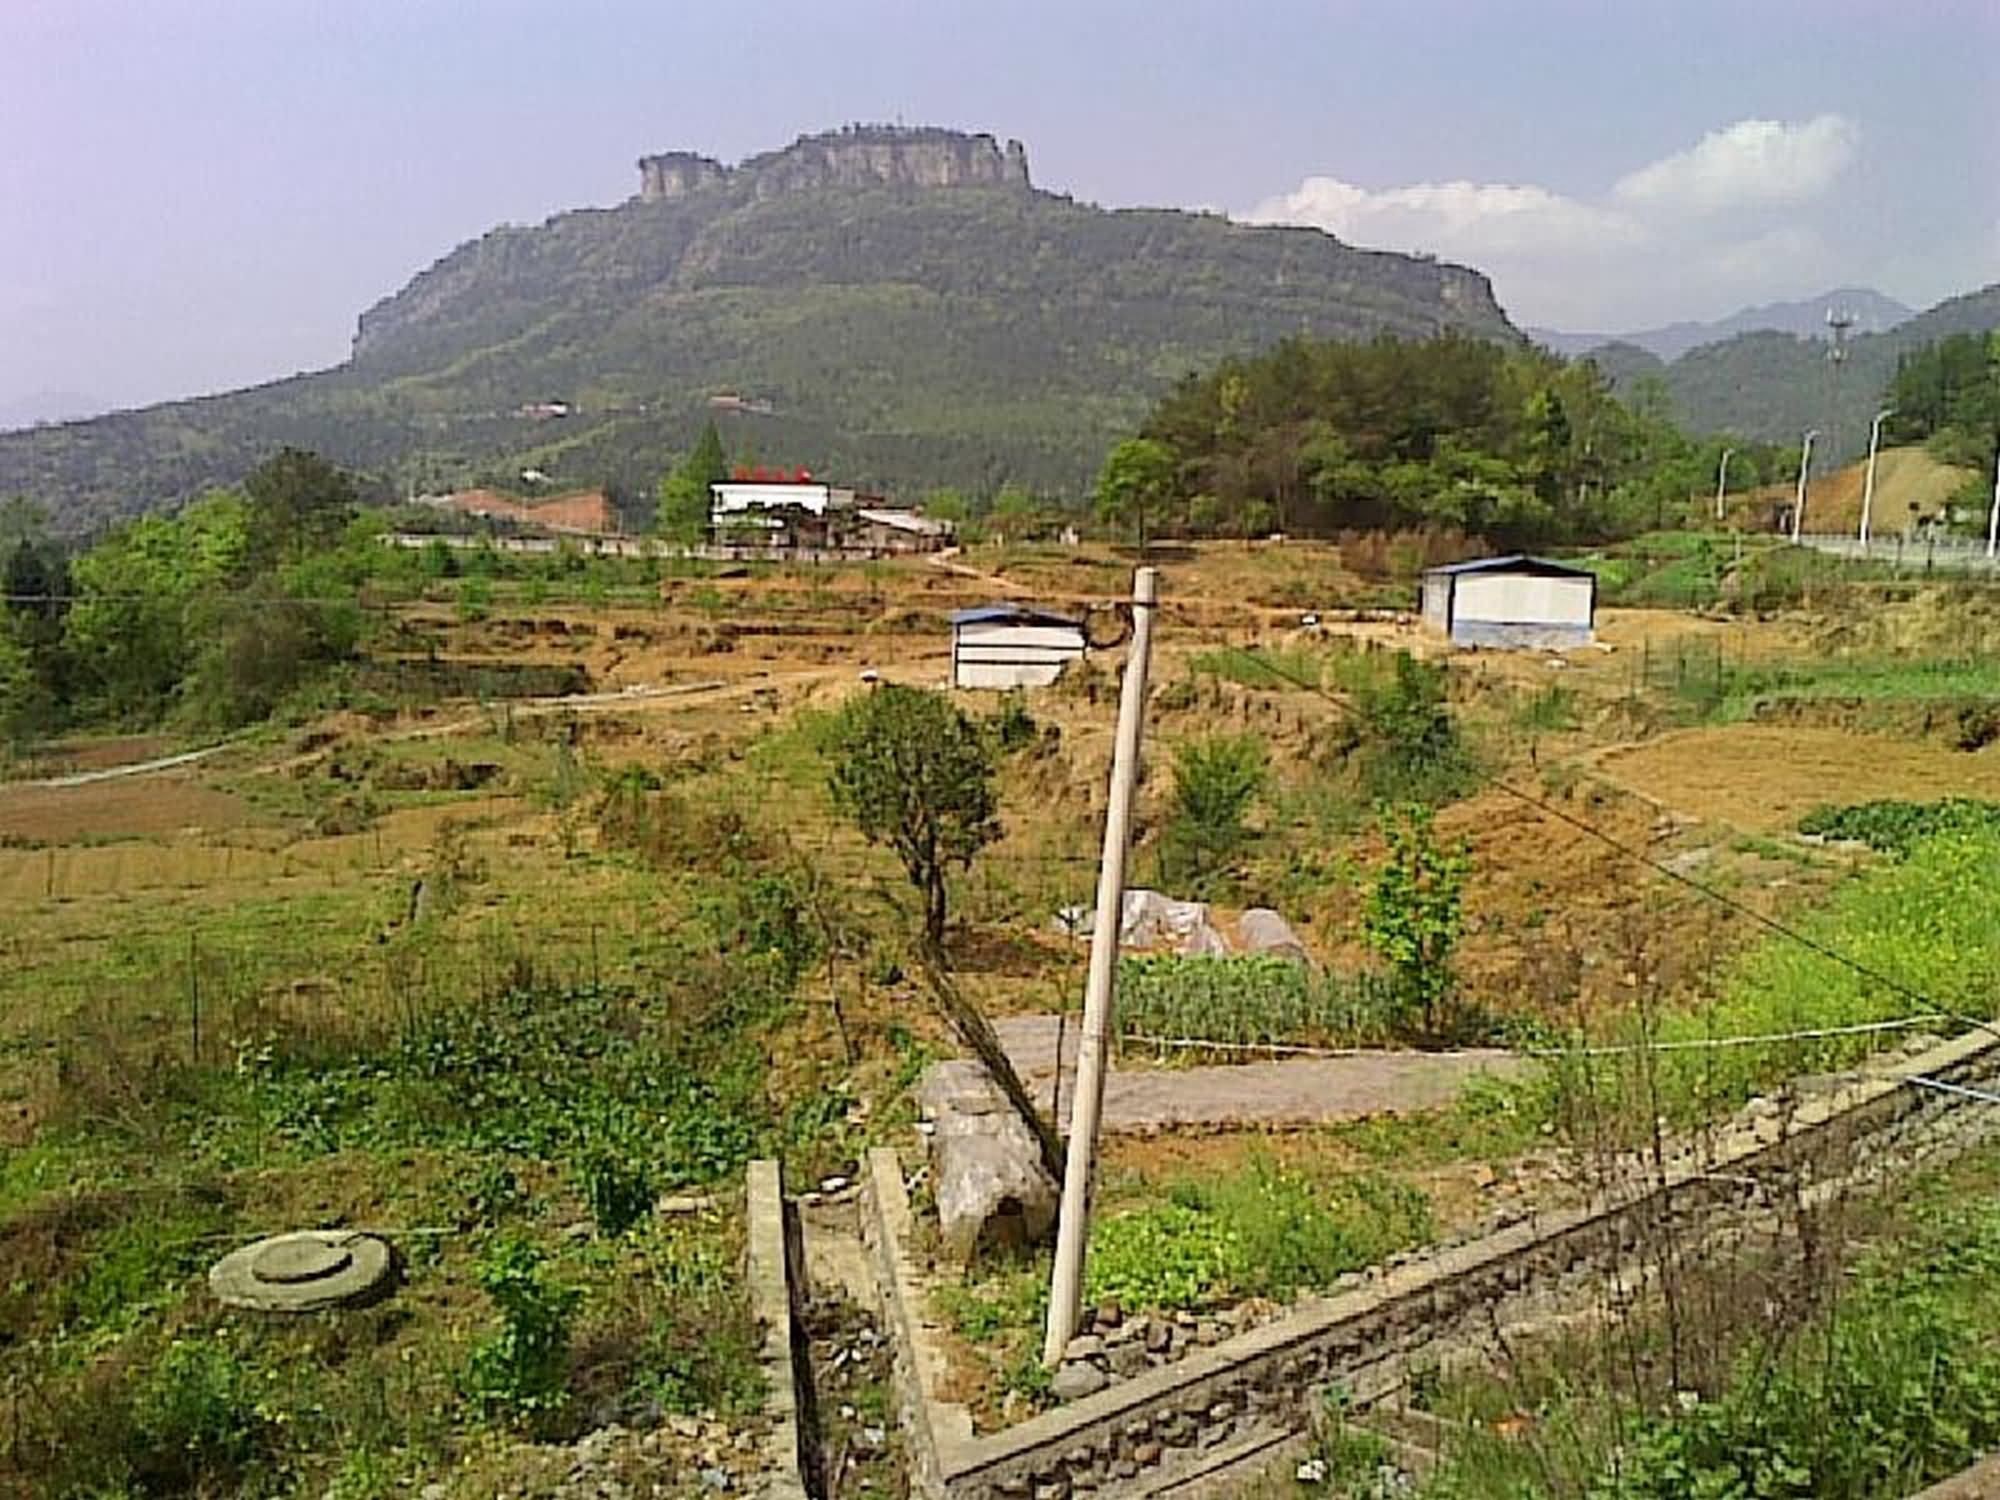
point(136, 808)
point(1762, 778)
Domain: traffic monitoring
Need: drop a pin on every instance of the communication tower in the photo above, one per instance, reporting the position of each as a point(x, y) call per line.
point(1839, 322)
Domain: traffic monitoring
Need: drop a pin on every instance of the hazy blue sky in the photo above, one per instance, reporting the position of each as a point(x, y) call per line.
point(205, 193)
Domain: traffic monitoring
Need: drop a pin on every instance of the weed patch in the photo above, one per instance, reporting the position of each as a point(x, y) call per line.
point(1266, 1233)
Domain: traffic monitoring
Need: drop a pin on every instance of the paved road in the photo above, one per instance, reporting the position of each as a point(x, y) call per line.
point(1294, 1091)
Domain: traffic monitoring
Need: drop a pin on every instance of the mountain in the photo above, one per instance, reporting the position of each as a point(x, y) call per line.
point(1773, 386)
point(900, 308)
point(47, 406)
point(1872, 312)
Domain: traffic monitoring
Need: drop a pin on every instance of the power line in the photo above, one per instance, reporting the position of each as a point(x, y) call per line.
point(1658, 867)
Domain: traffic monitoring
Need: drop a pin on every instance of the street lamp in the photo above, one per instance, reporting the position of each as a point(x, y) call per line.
point(1799, 503)
point(1993, 515)
point(1868, 485)
point(1722, 480)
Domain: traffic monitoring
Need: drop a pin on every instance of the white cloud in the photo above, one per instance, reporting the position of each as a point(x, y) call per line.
point(1655, 246)
point(1750, 162)
point(1455, 218)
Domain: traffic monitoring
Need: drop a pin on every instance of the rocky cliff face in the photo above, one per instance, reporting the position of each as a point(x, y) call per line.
point(861, 156)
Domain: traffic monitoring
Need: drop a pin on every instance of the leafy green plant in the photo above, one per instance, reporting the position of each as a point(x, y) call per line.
point(1264, 1232)
point(195, 1416)
point(1896, 828)
point(1409, 744)
point(493, 1192)
point(1250, 1000)
point(1216, 781)
point(618, 1188)
point(1414, 914)
point(519, 1373)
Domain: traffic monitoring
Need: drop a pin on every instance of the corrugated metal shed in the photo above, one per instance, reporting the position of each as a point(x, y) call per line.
point(1012, 646)
point(1516, 602)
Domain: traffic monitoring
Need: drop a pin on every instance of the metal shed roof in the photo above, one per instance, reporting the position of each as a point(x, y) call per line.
point(1514, 562)
point(1017, 614)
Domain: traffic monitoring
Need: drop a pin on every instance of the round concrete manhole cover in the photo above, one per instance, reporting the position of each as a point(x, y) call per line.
point(306, 1271)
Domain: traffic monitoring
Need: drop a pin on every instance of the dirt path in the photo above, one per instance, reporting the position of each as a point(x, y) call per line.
point(1295, 1091)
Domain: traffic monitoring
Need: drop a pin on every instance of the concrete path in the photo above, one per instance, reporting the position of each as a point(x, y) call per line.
point(114, 773)
point(1293, 1091)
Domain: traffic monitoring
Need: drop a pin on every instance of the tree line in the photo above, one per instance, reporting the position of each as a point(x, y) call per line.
point(1317, 437)
point(1946, 395)
point(215, 614)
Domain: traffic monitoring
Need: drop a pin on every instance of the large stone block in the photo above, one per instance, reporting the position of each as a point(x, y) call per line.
point(986, 1165)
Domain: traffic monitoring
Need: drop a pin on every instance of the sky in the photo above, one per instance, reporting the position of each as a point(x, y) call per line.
point(201, 194)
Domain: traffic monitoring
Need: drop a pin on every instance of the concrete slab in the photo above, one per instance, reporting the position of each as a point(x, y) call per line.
point(1289, 1091)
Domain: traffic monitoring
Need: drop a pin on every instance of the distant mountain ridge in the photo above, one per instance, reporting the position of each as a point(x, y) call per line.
point(1773, 386)
point(47, 406)
point(1872, 312)
point(901, 308)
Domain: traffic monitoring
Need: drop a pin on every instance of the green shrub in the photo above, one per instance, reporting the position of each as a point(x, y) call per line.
point(1406, 738)
point(1012, 726)
point(1894, 827)
point(519, 1373)
point(1414, 915)
point(618, 1188)
point(195, 1417)
point(1216, 781)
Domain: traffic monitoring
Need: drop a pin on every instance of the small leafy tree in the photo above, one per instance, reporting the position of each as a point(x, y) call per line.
point(17, 689)
point(298, 503)
point(1215, 782)
point(1137, 480)
point(683, 509)
point(914, 772)
point(1415, 913)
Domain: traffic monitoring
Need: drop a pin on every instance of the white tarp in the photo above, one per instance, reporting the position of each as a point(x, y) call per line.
point(1153, 921)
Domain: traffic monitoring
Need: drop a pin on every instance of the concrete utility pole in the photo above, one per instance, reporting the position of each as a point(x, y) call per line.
point(1993, 515)
point(1799, 501)
point(1868, 485)
point(1722, 480)
point(1093, 1045)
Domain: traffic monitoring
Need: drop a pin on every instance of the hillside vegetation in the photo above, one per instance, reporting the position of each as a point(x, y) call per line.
point(1773, 386)
point(903, 337)
point(1515, 447)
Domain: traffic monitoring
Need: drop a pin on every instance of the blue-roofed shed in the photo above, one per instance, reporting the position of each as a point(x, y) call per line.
point(1012, 646)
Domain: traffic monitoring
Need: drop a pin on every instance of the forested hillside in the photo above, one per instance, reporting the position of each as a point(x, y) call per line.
point(902, 338)
point(1511, 445)
point(1773, 386)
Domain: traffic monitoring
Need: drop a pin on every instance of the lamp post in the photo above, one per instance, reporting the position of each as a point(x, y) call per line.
point(1799, 501)
point(1868, 485)
point(1993, 515)
point(1722, 480)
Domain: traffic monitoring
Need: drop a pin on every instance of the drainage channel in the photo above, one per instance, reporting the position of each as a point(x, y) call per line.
point(829, 1364)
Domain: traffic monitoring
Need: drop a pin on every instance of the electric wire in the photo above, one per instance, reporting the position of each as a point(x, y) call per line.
point(1637, 855)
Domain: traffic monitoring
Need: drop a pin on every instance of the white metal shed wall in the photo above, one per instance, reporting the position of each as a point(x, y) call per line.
point(1437, 602)
point(1522, 599)
point(1008, 654)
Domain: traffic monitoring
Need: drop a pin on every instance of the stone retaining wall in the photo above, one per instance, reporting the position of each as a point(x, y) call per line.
point(1183, 1427)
